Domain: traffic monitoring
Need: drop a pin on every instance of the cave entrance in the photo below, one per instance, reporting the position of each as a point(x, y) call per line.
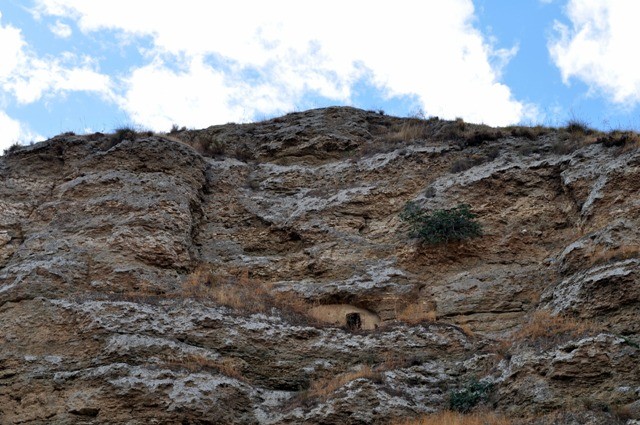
point(354, 321)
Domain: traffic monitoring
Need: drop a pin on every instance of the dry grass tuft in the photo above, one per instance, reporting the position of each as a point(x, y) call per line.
point(543, 324)
point(432, 128)
point(466, 329)
point(229, 367)
point(323, 388)
point(466, 134)
point(453, 418)
point(239, 291)
point(413, 129)
point(196, 363)
point(416, 313)
point(579, 127)
point(531, 133)
point(626, 139)
point(622, 138)
point(545, 330)
point(575, 135)
point(624, 252)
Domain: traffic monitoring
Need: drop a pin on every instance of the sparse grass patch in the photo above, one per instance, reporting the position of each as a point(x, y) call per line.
point(577, 133)
point(481, 135)
point(466, 135)
point(545, 329)
point(433, 128)
point(543, 324)
point(412, 129)
point(530, 133)
point(619, 253)
point(465, 328)
point(197, 362)
point(395, 360)
point(448, 417)
point(239, 291)
point(324, 388)
point(619, 138)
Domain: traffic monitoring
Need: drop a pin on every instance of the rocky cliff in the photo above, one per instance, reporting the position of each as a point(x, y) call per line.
point(260, 274)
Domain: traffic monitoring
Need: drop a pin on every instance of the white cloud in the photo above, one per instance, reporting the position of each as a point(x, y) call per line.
point(61, 30)
point(599, 48)
point(427, 49)
point(10, 53)
point(158, 96)
point(13, 131)
point(28, 77)
point(55, 76)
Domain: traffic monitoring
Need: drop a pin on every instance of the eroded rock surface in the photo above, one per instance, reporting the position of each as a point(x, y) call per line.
point(106, 318)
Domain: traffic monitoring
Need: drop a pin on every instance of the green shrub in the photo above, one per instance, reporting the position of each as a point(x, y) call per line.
point(467, 398)
point(441, 226)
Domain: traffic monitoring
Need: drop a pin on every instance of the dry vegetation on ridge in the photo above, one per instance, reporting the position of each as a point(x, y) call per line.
point(241, 292)
point(454, 418)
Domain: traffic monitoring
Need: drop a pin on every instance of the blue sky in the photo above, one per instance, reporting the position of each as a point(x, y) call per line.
point(84, 66)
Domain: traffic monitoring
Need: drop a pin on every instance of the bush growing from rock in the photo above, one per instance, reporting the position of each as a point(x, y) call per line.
point(465, 399)
point(124, 133)
point(579, 126)
point(441, 226)
point(13, 148)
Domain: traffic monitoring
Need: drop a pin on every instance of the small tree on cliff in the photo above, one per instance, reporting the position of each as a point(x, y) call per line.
point(440, 226)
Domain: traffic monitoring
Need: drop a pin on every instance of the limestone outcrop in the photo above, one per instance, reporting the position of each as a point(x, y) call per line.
point(260, 274)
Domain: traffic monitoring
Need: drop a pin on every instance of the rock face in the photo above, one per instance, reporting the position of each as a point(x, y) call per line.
point(271, 281)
